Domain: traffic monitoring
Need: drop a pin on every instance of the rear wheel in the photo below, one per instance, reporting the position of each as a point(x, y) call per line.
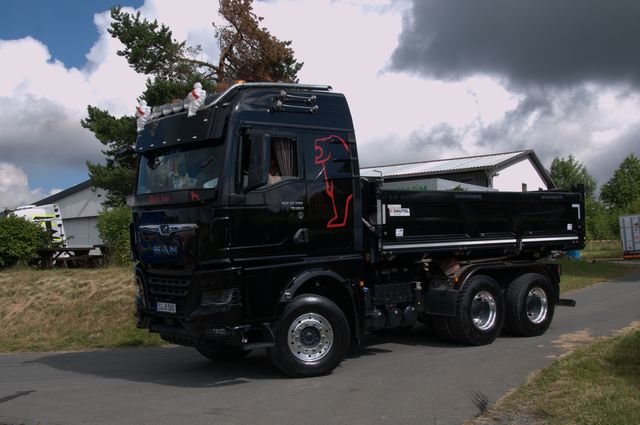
point(224, 353)
point(479, 312)
point(530, 305)
point(311, 337)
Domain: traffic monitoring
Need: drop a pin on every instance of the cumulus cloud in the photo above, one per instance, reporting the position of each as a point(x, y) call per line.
point(595, 123)
point(539, 42)
point(14, 187)
point(42, 103)
point(41, 132)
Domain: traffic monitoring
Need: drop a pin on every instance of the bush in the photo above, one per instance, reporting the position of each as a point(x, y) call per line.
point(601, 222)
point(113, 226)
point(19, 240)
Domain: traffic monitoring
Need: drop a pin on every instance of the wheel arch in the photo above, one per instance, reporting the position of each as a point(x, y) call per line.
point(328, 283)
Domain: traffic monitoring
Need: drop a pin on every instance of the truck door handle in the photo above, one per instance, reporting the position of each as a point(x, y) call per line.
point(301, 237)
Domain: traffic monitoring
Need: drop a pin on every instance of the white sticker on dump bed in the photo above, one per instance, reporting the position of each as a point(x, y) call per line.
point(398, 211)
point(399, 233)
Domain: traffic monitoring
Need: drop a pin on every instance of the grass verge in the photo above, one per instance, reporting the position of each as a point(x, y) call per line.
point(602, 249)
point(44, 310)
point(597, 384)
point(578, 274)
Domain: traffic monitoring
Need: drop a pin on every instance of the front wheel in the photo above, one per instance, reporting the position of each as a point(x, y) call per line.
point(530, 305)
point(479, 312)
point(311, 337)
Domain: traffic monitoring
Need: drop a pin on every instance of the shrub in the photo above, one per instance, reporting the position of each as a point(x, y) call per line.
point(113, 226)
point(19, 240)
point(601, 222)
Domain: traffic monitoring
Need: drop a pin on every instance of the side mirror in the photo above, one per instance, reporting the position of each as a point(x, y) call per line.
point(259, 161)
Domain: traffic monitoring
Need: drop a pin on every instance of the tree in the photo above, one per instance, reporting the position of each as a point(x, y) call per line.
point(247, 52)
point(623, 188)
point(600, 222)
point(570, 172)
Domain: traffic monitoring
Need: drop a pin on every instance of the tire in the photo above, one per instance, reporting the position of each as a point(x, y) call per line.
point(311, 337)
point(530, 305)
point(479, 312)
point(223, 354)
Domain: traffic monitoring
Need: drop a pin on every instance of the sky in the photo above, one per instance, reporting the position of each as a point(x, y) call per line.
point(425, 79)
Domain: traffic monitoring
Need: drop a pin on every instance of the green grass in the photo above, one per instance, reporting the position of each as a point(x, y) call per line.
point(602, 249)
point(578, 274)
point(597, 384)
point(46, 310)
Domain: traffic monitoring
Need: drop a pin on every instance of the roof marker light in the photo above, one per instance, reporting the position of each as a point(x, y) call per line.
point(143, 112)
point(195, 99)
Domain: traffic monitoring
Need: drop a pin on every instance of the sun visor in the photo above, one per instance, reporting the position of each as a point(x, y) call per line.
point(176, 129)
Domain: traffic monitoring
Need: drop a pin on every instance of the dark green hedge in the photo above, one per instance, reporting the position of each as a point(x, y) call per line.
point(19, 240)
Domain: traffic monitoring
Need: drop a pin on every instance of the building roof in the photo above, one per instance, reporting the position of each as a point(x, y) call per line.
point(490, 162)
point(70, 191)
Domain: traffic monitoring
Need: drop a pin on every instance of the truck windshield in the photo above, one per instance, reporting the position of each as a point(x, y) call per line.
point(180, 169)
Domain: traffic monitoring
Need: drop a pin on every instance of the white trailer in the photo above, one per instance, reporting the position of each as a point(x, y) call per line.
point(49, 218)
point(630, 236)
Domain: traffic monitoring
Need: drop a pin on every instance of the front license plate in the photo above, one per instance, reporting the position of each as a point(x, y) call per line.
point(165, 307)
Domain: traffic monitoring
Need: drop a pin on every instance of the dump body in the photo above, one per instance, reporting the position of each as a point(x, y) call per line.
point(476, 224)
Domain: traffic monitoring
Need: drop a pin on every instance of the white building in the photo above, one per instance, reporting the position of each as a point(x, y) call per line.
point(79, 207)
point(518, 171)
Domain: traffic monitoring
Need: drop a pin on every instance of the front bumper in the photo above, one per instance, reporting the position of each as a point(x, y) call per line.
point(208, 309)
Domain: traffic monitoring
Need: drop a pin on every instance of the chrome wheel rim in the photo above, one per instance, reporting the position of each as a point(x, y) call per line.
point(310, 337)
point(484, 310)
point(537, 305)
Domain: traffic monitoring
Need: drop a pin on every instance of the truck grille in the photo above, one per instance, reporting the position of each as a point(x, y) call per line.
point(170, 287)
point(171, 290)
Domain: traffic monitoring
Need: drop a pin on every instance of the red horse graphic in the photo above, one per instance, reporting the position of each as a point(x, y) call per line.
point(340, 213)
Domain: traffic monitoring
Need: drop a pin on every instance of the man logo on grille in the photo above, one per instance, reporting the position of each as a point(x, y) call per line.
point(165, 229)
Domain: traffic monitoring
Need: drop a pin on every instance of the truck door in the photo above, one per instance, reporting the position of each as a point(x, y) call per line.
point(268, 219)
point(330, 192)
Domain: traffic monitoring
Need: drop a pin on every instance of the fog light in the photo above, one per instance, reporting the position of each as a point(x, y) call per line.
point(217, 298)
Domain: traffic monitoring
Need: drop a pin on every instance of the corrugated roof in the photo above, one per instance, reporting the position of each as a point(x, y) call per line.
point(443, 165)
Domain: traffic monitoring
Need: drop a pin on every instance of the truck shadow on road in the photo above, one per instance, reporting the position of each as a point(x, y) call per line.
point(184, 367)
point(171, 366)
point(419, 336)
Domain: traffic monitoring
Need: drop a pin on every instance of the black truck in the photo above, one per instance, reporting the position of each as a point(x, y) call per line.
point(252, 228)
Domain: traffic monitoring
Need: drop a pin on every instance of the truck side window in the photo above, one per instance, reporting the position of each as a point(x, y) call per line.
point(282, 163)
point(284, 159)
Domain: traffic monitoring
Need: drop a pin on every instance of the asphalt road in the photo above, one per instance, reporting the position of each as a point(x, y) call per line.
point(413, 379)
